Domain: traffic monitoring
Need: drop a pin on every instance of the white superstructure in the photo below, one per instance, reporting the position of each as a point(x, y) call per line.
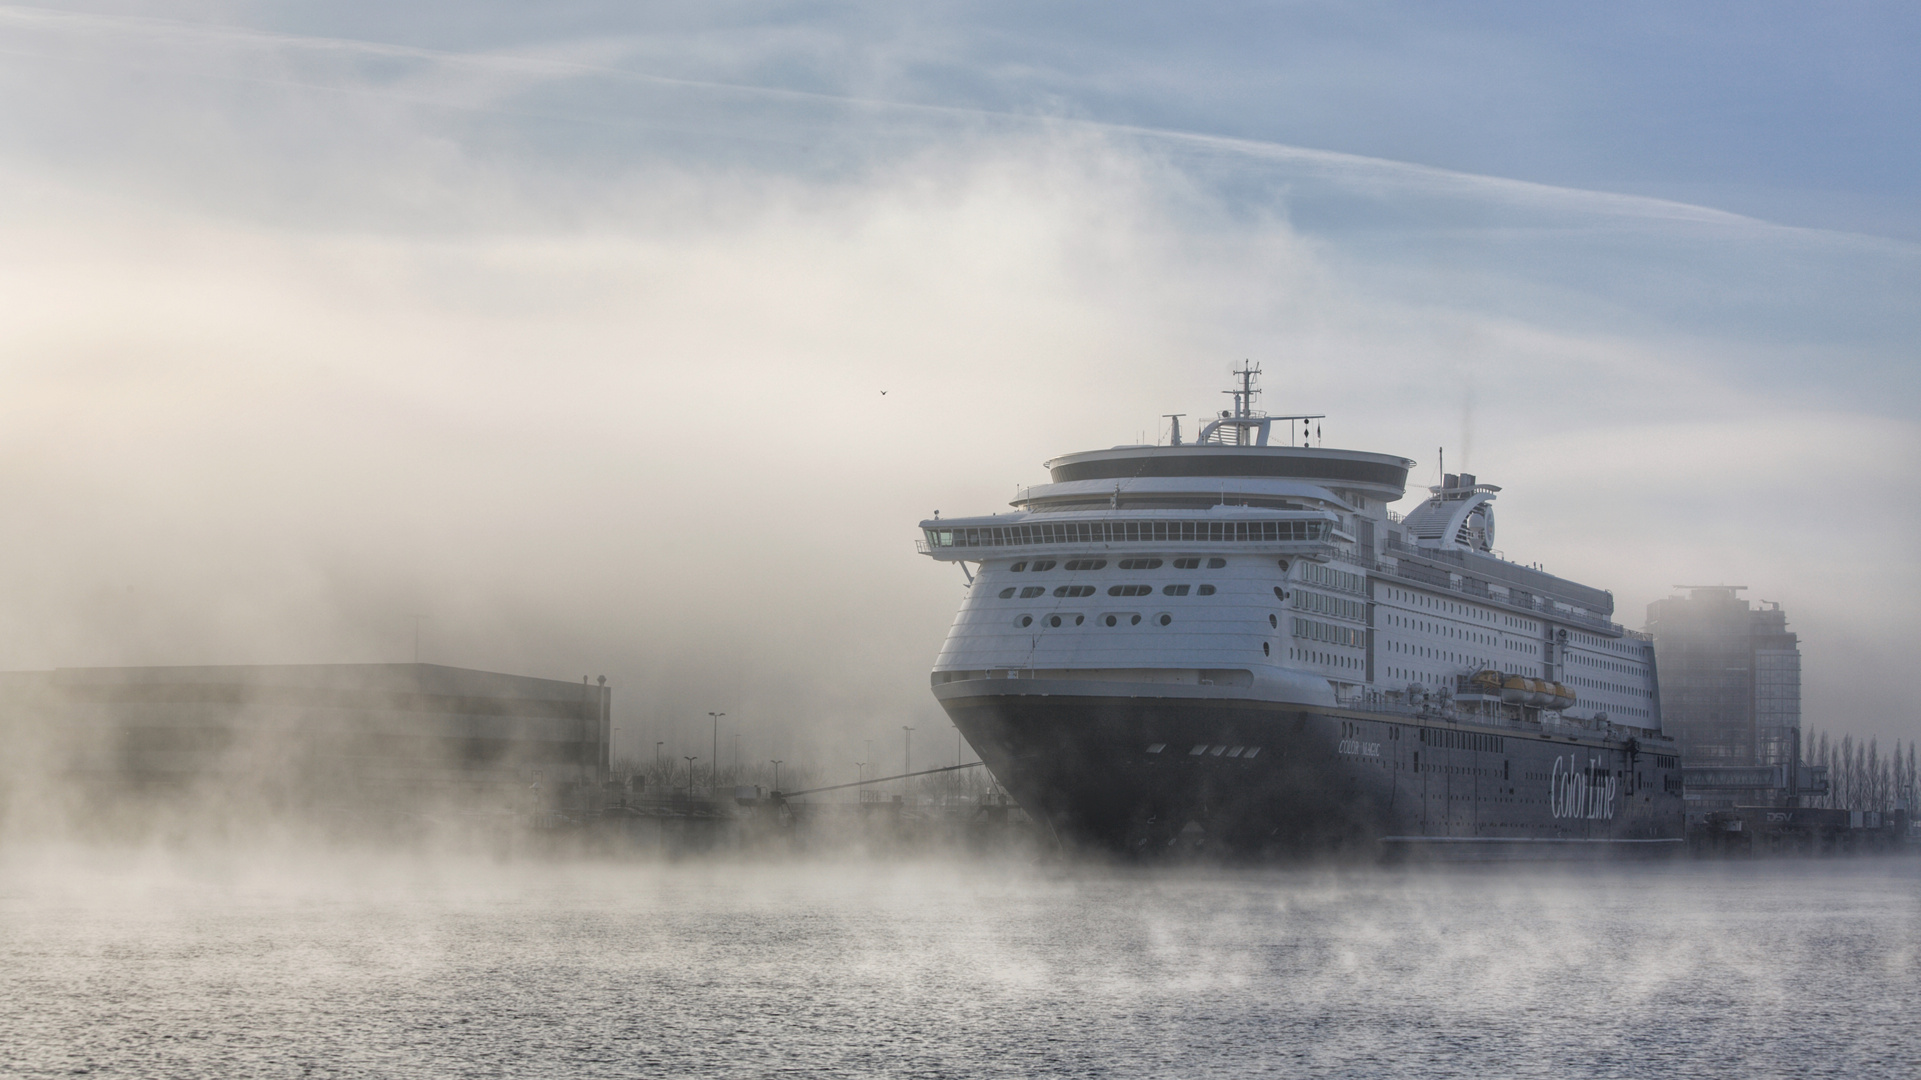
point(1281, 572)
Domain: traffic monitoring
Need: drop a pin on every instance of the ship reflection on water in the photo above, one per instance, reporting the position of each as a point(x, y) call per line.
point(264, 966)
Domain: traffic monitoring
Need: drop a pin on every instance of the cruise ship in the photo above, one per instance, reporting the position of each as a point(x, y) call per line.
point(1234, 643)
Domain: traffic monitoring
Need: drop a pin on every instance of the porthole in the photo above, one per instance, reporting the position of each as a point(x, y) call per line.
point(1133, 620)
point(1216, 564)
point(1205, 590)
point(1031, 591)
point(1166, 619)
point(1079, 619)
point(1043, 564)
point(1273, 622)
point(1053, 620)
point(1007, 593)
point(1266, 650)
point(1283, 564)
point(1024, 621)
point(1112, 621)
point(1175, 590)
point(1280, 593)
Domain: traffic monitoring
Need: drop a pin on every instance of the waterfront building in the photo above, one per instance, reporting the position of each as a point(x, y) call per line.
point(1730, 677)
point(293, 735)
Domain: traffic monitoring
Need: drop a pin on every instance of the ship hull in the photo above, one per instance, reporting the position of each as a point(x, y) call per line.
point(1148, 772)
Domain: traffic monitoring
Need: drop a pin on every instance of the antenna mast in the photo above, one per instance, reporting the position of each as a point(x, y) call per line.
point(1244, 399)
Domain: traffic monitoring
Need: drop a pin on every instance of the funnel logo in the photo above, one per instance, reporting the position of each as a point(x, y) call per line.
point(1577, 791)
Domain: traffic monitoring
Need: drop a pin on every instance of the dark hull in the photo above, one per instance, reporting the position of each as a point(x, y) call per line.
point(1319, 780)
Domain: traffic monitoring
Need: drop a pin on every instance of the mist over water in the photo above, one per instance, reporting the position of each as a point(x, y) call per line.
point(268, 964)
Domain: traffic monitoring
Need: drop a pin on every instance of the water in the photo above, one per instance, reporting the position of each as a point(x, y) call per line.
point(264, 966)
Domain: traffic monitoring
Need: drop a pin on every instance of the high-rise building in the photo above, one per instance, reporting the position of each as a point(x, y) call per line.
point(1730, 677)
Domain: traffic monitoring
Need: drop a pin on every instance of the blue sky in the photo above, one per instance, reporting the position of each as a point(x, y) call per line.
point(325, 314)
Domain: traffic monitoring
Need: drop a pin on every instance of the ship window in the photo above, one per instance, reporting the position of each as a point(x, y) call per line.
point(1032, 591)
point(1271, 620)
point(1216, 564)
point(1007, 593)
point(1251, 752)
point(1157, 748)
point(1200, 748)
point(1283, 565)
point(1218, 751)
point(1166, 619)
point(1265, 650)
point(1044, 564)
point(1074, 590)
point(1176, 590)
point(1085, 564)
point(1079, 619)
point(1280, 593)
point(1134, 620)
point(1129, 590)
point(1024, 621)
point(1140, 564)
point(1206, 590)
point(1017, 568)
point(1111, 620)
point(1053, 620)
point(1187, 564)
point(1235, 751)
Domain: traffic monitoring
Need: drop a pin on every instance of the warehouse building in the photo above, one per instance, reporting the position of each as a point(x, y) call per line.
point(338, 734)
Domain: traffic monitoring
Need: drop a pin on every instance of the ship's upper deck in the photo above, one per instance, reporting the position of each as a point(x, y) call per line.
point(1252, 470)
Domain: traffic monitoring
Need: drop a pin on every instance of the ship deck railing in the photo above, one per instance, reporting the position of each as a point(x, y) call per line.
point(1436, 713)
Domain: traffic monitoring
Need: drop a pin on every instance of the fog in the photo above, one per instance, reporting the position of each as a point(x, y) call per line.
point(608, 352)
point(276, 964)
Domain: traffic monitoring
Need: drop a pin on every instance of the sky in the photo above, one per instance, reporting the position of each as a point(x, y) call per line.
point(560, 332)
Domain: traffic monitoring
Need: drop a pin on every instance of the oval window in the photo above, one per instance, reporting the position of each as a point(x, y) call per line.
point(1112, 621)
point(1024, 620)
point(1273, 622)
point(1007, 593)
point(1216, 564)
point(1053, 620)
point(1264, 649)
point(1205, 590)
point(1134, 621)
point(1166, 619)
point(1283, 563)
point(1079, 619)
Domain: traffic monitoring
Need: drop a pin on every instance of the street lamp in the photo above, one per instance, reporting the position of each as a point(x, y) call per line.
point(690, 777)
point(777, 774)
point(907, 760)
point(715, 767)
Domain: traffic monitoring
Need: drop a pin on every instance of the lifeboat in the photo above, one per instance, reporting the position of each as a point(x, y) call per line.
point(1563, 696)
point(1515, 690)
point(1486, 682)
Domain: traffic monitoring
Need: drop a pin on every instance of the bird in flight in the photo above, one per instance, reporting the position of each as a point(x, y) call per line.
point(883, 393)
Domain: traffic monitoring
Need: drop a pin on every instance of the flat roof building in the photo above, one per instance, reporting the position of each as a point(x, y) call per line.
point(300, 734)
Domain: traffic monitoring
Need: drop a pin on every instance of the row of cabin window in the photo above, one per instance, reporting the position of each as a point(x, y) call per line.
point(1125, 564)
point(1099, 532)
point(1133, 619)
point(1069, 591)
